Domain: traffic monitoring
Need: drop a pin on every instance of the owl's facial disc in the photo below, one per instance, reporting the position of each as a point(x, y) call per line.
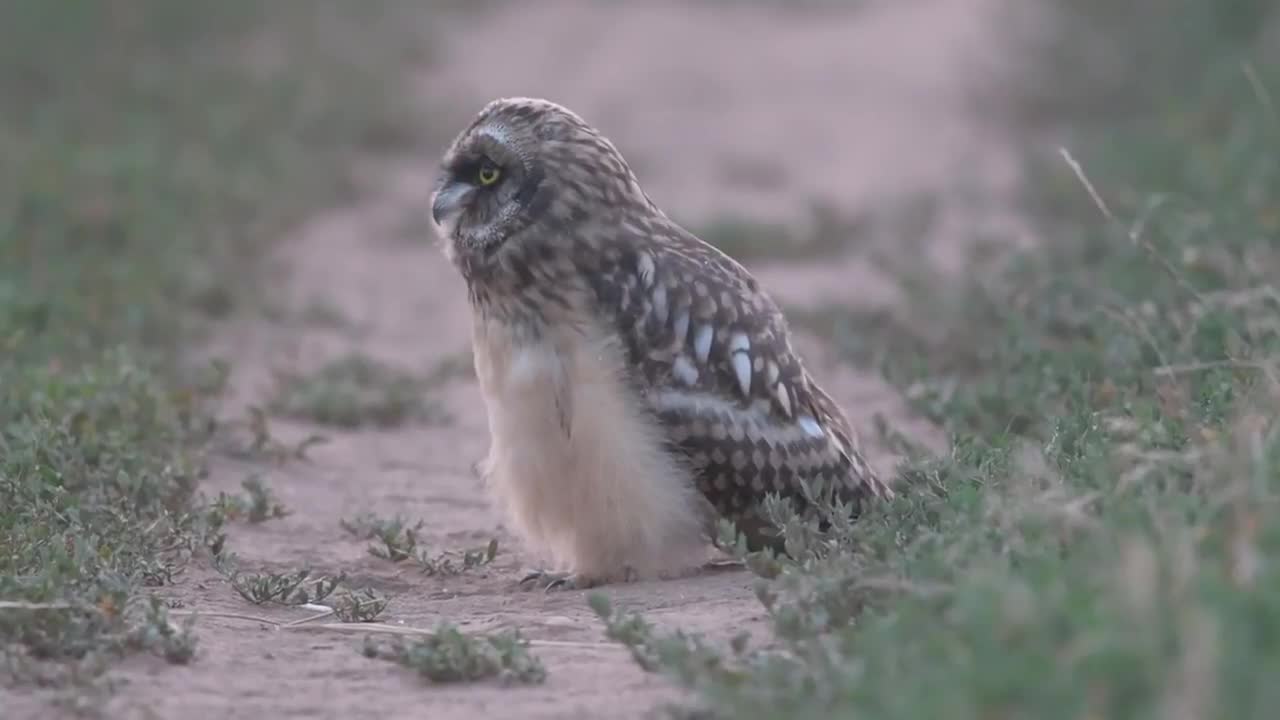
point(470, 196)
point(485, 192)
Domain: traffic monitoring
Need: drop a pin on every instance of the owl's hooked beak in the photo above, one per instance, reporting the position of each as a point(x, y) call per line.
point(449, 201)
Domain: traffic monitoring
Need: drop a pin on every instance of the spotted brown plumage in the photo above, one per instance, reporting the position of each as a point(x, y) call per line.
point(714, 361)
point(666, 372)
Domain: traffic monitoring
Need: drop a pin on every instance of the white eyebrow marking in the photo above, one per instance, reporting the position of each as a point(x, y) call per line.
point(496, 133)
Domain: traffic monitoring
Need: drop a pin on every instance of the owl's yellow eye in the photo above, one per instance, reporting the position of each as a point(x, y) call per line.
point(488, 174)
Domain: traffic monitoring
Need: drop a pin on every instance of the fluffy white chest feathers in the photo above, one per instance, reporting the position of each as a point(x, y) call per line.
point(579, 467)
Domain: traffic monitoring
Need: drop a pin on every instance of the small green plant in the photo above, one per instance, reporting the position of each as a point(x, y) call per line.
point(686, 657)
point(256, 506)
point(453, 563)
point(261, 443)
point(354, 391)
point(394, 540)
point(367, 526)
point(364, 605)
point(292, 588)
point(154, 631)
point(449, 655)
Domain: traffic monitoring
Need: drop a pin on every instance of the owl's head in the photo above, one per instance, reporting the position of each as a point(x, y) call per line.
point(526, 166)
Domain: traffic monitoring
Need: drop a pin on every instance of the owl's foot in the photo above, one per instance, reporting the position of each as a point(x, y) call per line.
point(548, 581)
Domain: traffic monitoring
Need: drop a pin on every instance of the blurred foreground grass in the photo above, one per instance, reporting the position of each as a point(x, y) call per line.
point(1101, 539)
point(149, 152)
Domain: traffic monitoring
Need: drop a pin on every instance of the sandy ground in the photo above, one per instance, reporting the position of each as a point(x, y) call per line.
point(742, 109)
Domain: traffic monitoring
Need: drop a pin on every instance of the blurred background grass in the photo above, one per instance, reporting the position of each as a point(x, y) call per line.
point(1094, 61)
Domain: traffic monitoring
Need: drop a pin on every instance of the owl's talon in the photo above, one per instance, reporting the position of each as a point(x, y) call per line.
point(552, 580)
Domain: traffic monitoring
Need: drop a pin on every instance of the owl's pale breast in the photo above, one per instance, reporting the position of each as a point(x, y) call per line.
point(576, 460)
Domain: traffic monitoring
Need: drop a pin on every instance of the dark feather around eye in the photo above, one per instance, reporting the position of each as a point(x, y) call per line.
point(469, 170)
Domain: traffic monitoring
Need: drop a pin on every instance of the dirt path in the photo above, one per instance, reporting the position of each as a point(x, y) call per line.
point(745, 111)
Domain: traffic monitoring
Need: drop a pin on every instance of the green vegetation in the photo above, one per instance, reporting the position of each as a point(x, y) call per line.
point(451, 656)
point(291, 588)
point(258, 504)
point(396, 540)
point(150, 150)
point(302, 587)
point(1099, 62)
point(364, 605)
point(1099, 541)
point(452, 562)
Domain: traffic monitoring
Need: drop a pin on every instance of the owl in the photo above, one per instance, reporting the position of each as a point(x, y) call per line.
point(639, 383)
